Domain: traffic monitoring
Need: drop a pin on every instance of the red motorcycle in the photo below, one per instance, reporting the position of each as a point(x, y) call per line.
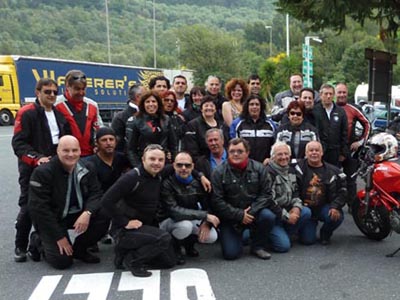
point(376, 211)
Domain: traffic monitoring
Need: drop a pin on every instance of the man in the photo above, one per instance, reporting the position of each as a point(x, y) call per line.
point(254, 83)
point(213, 86)
point(354, 116)
point(65, 194)
point(215, 142)
point(159, 84)
point(132, 202)
point(185, 213)
point(331, 122)
point(81, 113)
point(120, 119)
point(179, 85)
point(286, 194)
point(307, 97)
point(323, 190)
point(241, 200)
point(283, 99)
point(37, 130)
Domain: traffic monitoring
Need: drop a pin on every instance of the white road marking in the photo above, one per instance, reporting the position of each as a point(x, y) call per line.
point(149, 285)
point(96, 285)
point(45, 288)
point(181, 279)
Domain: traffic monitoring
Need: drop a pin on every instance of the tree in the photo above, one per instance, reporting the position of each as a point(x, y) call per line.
point(323, 14)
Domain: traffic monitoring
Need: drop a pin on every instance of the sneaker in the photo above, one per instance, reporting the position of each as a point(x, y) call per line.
point(86, 257)
point(261, 253)
point(19, 255)
point(107, 239)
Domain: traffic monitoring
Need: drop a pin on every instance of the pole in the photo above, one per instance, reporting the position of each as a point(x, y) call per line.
point(154, 35)
point(270, 39)
point(287, 36)
point(108, 34)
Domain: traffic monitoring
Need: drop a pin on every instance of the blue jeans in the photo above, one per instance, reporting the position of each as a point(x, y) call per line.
point(231, 238)
point(279, 236)
point(308, 234)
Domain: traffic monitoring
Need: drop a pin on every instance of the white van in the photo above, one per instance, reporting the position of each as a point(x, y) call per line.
point(361, 94)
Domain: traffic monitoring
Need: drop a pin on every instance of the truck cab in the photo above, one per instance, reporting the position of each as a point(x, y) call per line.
point(9, 93)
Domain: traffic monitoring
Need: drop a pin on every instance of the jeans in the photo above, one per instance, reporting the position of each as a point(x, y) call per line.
point(183, 229)
point(308, 234)
point(231, 238)
point(280, 234)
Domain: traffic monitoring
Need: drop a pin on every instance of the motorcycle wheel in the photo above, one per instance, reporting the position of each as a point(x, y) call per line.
point(367, 224)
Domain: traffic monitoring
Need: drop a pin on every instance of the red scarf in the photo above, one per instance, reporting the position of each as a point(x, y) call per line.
point(241, 166)
point(76, 104)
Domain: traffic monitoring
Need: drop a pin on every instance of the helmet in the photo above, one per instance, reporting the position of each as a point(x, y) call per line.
point(384, 146)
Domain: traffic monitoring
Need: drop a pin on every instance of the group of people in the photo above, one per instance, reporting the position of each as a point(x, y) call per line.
point(175, 169)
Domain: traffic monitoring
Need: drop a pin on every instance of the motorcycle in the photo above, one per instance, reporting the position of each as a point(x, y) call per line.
point(376, 211)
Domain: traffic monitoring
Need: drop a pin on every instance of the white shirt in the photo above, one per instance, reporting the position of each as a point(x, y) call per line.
point(55, 132)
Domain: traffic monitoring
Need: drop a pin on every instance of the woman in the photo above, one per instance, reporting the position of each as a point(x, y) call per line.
point(297, 133)
point(150, 126)
point(172, 110)
point(254, 126)
point(194, 140)
point(193, 110)
point(236, 90)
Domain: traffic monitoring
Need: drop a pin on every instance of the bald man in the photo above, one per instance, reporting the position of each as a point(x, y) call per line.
point(65, 194)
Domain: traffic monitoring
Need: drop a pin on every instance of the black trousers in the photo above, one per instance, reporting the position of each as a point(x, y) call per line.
point(23, 224)
point(147, 245)
point(98, 227)
point(350, 166)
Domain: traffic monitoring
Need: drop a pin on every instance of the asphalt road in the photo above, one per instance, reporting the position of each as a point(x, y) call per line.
point(352, 267)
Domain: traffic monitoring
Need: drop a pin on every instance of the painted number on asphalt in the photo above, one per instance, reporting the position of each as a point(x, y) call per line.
point(97, 285)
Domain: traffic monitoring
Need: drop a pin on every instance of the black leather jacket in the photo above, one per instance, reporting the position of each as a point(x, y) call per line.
point(234, 191)
point(142, 131)
point(181, 201)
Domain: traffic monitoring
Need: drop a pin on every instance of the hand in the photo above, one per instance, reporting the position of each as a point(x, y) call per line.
point(213, 220)
point(334, 214)
point(204, 232)
point(266, 161)
point(294, 215)
point(64, 246)
point(82, 223)
point(205, 183)
point(134, 224)
point(247, 218)
point(354, 146)
point(43, 160)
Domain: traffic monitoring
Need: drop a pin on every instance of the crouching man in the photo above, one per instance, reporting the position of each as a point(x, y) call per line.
point(64, 194)
point(323, 190)
point(132, 202)
point(242, 199)
point(184, 211)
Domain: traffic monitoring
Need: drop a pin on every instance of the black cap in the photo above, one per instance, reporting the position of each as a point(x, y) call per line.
point(104, 131)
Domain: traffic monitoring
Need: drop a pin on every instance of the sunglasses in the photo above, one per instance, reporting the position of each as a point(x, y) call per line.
point(169, 100)
point(240, 152)
point(49, 92)
point(180, 83)
point(152, 147)
point(78, 78)
point(296, 113)
point(181, 165)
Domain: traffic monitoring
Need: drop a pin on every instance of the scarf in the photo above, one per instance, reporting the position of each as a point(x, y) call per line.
point(184, 180)
point(76, 104)
point(282, 171)
point(240, 166)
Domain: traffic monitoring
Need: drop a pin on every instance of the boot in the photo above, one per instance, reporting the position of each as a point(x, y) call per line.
point(189, 246)
point(180, 260)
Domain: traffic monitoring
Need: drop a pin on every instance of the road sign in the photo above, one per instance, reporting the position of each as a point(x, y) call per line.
point(308, 82)
point(308, 67)
point(307, 52)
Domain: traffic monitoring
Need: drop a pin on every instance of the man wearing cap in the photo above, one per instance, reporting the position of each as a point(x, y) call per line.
point(65, 194)
point(81, 112)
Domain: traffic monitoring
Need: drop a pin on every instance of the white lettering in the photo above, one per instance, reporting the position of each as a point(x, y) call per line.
point(45, 288)
point(149, 285)
point(184, 278)
point(96, 285)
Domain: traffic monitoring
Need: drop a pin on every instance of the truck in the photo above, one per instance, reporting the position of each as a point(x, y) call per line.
point(107, 84)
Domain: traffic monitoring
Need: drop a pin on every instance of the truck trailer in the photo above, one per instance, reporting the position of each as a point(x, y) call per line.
point(107, 84)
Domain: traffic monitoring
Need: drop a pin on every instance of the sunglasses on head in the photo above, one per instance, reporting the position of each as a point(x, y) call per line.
point(49, 92)
point(296, 113)
point(181, 165)
point(153, 147)
point(80, 77)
